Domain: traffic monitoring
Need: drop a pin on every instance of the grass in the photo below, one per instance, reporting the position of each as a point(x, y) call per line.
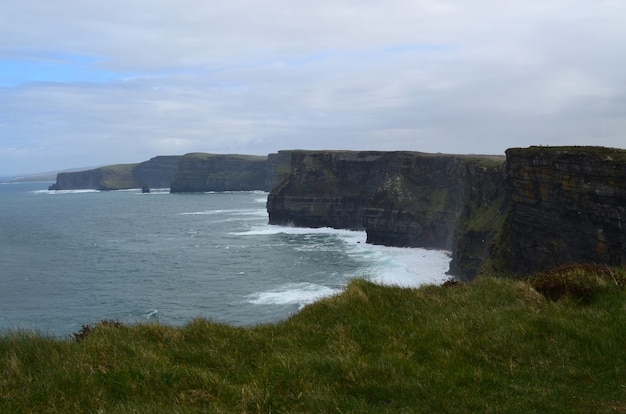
point(490, 346)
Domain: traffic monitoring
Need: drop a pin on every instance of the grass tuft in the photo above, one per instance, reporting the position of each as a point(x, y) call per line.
point(580, 282)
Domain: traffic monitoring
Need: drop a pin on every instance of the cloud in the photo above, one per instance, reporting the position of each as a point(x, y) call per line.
point(85, 83)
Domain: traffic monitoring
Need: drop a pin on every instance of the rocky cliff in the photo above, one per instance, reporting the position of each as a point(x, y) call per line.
point(195, 172)
point(111, 177)
point(277, 167)
point(198, 172)
point(328, 188)
point(158, 172)
point(405, 199)
point(567, 205)
point(543, 207)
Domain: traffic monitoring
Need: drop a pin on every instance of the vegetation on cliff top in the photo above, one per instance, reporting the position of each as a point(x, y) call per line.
point(493, 345)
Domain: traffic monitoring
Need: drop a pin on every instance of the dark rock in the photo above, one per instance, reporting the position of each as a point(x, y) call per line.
point(158, 172)
point(547, 207)
point(199, 172)
point(277, 167)
point(568, 205)
point(327, 188)
point(112, 177)
point(407, 199)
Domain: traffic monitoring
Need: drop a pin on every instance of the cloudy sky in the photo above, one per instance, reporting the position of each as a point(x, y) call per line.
point(92, 82)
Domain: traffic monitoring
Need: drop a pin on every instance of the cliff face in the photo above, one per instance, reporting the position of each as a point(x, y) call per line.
point(542, 208)
point(328, 188)
point(483, 213)
point(277, 167)
point(405, 199)
point(198, 172)
point(112, 177)
point(158, 172)
point(418, 205)
point(568, 205)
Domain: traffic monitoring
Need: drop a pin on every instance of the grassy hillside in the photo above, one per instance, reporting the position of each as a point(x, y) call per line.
point(490, 346)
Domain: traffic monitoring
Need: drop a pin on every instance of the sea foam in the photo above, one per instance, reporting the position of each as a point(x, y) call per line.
point(293, 293)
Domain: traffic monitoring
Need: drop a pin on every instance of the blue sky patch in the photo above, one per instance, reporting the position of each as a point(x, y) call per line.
point(55, 68)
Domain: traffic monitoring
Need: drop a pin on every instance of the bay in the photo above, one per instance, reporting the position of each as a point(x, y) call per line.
point(69, 258)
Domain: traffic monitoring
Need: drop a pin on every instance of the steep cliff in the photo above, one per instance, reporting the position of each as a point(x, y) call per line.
point(567, 205)
point(485, 204)
point(542, 208)
point(158, 172)
point(111, 177)
point(277, 167)
point(328, 188)
point(198, 172)
point(400, 198)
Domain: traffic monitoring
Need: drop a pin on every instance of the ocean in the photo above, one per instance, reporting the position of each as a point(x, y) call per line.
point(69, 258)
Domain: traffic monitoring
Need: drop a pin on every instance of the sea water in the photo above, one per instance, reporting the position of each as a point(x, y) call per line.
point(69, 258)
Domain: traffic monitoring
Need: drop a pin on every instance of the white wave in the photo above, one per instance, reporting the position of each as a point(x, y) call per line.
point(203, 213)
point(406, 267)
point(152, 314)
point(64, 191)
point(154, 191)
point(269, 229)
point(251, 212)
point(293, 294)
point(235, 212)
point(237, 192)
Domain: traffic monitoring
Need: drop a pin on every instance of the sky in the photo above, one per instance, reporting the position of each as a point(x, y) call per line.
point(87, 83)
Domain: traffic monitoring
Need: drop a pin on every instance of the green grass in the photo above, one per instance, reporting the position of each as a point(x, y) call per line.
point(490, 346)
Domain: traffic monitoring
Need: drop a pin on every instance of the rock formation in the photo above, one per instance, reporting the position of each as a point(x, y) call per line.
point(543, 207)
point(567, 205)
point(277, 167)
point(195, 172)
point(111, 177)
point(155, 173)
point(158, 172)
point(198, 172)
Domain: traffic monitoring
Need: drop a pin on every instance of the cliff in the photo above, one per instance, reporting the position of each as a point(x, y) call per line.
point(328, 188)
point(111, 177)
point(542, 208)
point(158, 172)
point(195, 172)
point(198, 172)
point(405, 199)
point(277, 167)
point(567, 205)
